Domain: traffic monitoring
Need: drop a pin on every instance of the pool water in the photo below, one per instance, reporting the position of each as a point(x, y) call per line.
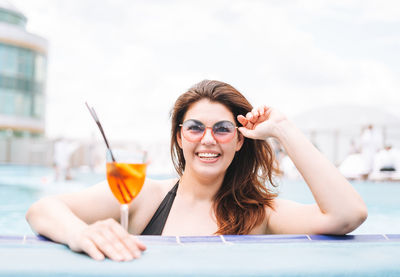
point(20, 186)
point(381, 198)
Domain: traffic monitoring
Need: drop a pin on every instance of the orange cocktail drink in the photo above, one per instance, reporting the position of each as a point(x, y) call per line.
point(125, 180)
point(126, 172)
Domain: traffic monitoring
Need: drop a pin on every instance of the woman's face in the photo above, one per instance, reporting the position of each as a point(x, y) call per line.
point(208, 157)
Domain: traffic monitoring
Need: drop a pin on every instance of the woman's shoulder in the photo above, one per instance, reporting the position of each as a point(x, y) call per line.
point(159, 186)
point(148, 200)
point(153, 191)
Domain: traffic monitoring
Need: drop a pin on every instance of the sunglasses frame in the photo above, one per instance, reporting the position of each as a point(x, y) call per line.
point(205, 130)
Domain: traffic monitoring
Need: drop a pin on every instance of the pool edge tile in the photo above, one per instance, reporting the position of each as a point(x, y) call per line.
point(223, 239)
point(348, 238)
point(265, 238)
point(393, 237)
point(201, 239)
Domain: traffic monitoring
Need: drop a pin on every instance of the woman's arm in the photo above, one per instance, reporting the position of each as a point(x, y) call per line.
point(86, 222)
point(339, 208)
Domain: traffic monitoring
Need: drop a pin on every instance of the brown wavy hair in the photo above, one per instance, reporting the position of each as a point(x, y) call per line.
point(239, 204)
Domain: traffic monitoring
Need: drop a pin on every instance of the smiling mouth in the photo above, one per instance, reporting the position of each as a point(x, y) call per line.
point(208, 156)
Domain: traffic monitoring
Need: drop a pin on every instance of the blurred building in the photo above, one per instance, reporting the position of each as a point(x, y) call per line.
point(23, 58)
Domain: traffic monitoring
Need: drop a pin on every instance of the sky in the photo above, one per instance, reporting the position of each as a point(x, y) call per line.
point(131, 59)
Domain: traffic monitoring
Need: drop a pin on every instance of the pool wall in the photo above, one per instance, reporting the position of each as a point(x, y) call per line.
point(261, 255)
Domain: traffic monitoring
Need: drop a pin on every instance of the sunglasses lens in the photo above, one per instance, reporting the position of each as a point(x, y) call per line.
point(224, 130)
point(193, 130)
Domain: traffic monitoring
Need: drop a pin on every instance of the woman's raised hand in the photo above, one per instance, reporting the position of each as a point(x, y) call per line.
point(106, 238)
point(261, 122)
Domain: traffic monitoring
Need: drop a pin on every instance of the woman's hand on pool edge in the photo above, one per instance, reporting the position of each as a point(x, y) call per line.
point(106, 238)
point(261, 122)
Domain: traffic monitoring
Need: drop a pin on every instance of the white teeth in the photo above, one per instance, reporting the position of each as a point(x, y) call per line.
point(208, 155)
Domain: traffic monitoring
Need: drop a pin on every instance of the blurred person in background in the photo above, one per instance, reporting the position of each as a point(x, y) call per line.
point(353, 166)
point(371, 143)
point(62, 153)
point(386, 164)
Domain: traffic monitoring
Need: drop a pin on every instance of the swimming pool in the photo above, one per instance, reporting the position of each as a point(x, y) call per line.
point(381, 198)
point(21, 186)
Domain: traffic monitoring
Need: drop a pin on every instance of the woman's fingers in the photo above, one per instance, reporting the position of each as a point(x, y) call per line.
point(140, 244)
point(255, 112)
point(107, 238)
point(107, 247)
point(251, 117)
point(260, 122)
point(245, 122)
point(130, 243)
point(254, 123)
point(263, 113)
point(90, 248)
point(242, 120)
point(248, 133)
point(120, 248)
point(260, 110)
point(134, 246)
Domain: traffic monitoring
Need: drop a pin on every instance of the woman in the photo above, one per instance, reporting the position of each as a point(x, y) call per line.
point(222, 169)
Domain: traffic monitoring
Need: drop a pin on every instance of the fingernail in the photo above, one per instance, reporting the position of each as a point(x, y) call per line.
point(137, 254)
point(128, 257)
point(99, 257)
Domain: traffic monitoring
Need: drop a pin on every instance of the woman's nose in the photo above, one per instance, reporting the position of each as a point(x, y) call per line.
point(208, 137)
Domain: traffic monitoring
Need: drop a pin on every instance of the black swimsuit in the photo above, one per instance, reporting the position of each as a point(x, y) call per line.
point(157, 222)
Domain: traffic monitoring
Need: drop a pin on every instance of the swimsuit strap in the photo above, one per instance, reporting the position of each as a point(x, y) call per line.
point(157, 222)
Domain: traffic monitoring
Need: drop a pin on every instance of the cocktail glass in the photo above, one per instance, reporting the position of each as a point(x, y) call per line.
point(126, 172)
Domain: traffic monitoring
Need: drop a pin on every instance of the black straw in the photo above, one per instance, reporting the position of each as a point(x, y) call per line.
point(96, 119)
point(94, 115)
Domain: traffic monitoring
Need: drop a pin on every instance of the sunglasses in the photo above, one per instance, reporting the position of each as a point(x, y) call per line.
point(222, 131)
